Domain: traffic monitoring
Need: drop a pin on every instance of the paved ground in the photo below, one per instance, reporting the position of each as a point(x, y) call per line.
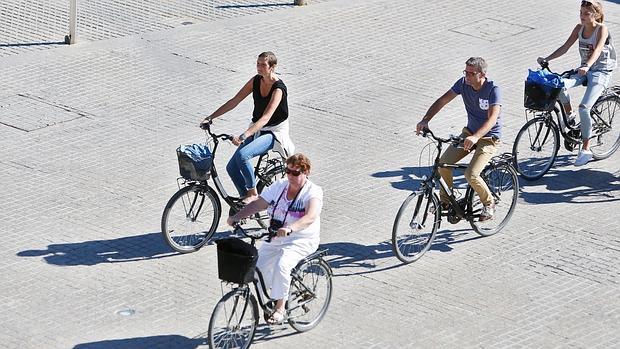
point(88, 134)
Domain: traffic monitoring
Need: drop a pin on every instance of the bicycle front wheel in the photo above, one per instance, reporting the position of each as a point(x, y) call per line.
point(504, 185)
point(190, 218)
point(606, 139)
point(415, 226)
point(536, 147)
point(234, 320)
point(309, 295)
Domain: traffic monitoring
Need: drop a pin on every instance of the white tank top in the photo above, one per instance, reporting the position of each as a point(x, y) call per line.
point(606, 60)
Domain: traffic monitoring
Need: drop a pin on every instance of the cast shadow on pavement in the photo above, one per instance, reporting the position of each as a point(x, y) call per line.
point(263, 333)
point(25, 44)
point(257, 5)
point(580, 185)
point(125, 249)
point(164, 341)
point(411, 177)
point(349, 258)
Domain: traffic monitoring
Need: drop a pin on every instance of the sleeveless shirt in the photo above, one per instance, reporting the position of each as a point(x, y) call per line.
point(606, 60)
point(260, 102)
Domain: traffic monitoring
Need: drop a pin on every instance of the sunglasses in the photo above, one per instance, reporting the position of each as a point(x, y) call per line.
point(292, 172)
point(586, 3)
point(470, 73)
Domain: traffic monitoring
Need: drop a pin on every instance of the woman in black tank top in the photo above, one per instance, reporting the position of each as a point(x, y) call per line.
point(270, 110)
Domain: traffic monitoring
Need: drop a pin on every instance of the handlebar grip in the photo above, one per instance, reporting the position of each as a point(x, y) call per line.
point(206, 125)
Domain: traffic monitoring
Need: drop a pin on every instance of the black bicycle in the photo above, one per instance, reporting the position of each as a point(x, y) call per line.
point(235, 317)
point(193, 213)
point(538, 142)
point(420, 215)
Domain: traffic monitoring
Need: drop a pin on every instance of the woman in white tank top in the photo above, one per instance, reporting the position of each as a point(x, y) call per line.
point(598, 60)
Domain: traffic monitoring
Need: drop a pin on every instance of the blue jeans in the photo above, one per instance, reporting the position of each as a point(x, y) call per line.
point(597, 82)
point(240, 167)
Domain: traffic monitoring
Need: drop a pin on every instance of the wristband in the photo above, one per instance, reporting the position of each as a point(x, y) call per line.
point(242, 137)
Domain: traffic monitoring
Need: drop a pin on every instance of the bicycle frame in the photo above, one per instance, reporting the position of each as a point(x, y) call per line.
point(318, 255)
point(429, 184)
point(264, 161)
point(561, 113)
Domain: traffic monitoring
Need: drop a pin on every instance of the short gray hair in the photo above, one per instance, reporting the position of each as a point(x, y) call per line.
point(477, 62)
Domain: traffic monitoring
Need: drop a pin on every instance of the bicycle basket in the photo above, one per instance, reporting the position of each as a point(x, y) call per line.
point(540, 97)
point(195, 162)
point(236, 260)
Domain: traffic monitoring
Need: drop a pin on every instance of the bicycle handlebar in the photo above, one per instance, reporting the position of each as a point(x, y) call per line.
point(455, 140)
point(207, 127)
point(545, 65)
point(270, 233)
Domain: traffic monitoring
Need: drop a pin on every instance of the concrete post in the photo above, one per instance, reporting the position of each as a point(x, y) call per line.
point(71, 38)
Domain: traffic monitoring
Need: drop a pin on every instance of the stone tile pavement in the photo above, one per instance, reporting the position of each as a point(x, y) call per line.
point(88, 134)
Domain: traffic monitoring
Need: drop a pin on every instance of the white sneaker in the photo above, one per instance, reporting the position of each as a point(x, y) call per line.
point(487, 213)
point(583, 157)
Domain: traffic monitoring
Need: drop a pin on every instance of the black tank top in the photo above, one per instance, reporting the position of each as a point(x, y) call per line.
point(260, 102)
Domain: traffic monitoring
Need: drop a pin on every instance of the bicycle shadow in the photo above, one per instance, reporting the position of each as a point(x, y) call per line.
point(446, 238)
point(575, 185)
point(411, 177)
point(163, 341)
point(265, 333)
point(347, 258)
point(125, 249)
point(351, 255)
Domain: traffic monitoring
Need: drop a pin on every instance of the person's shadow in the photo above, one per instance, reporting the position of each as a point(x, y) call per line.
point(125, 249)
point(580, 186)
point(154, 342)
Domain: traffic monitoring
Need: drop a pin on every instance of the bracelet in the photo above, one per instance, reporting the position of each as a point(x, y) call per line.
point(242, 137)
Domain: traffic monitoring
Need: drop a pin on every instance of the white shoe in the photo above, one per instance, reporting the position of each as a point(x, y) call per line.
point(583, 157)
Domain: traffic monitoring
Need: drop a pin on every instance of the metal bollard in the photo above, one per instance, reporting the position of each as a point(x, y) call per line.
point(301, 2)
point(71, 38)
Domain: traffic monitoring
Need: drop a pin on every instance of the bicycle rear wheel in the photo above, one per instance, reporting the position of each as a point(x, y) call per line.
point(415, 226)
point(504, 185)
point(234, 320)
point(606, 138)
point(536, 147)
point(190, 218)
point(309, 295)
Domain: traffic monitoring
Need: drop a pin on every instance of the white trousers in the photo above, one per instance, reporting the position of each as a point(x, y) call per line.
point(276, 260)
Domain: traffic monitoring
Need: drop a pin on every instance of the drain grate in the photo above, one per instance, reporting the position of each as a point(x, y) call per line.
point(491, 29)
point(29, 113)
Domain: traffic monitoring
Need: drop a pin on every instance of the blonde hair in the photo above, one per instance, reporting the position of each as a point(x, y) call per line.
point(597, 9)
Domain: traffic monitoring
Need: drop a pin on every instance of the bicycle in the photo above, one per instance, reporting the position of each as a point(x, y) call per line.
point(420, 215)
point(192, 214)
point(235, 317)
point(538, 141)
